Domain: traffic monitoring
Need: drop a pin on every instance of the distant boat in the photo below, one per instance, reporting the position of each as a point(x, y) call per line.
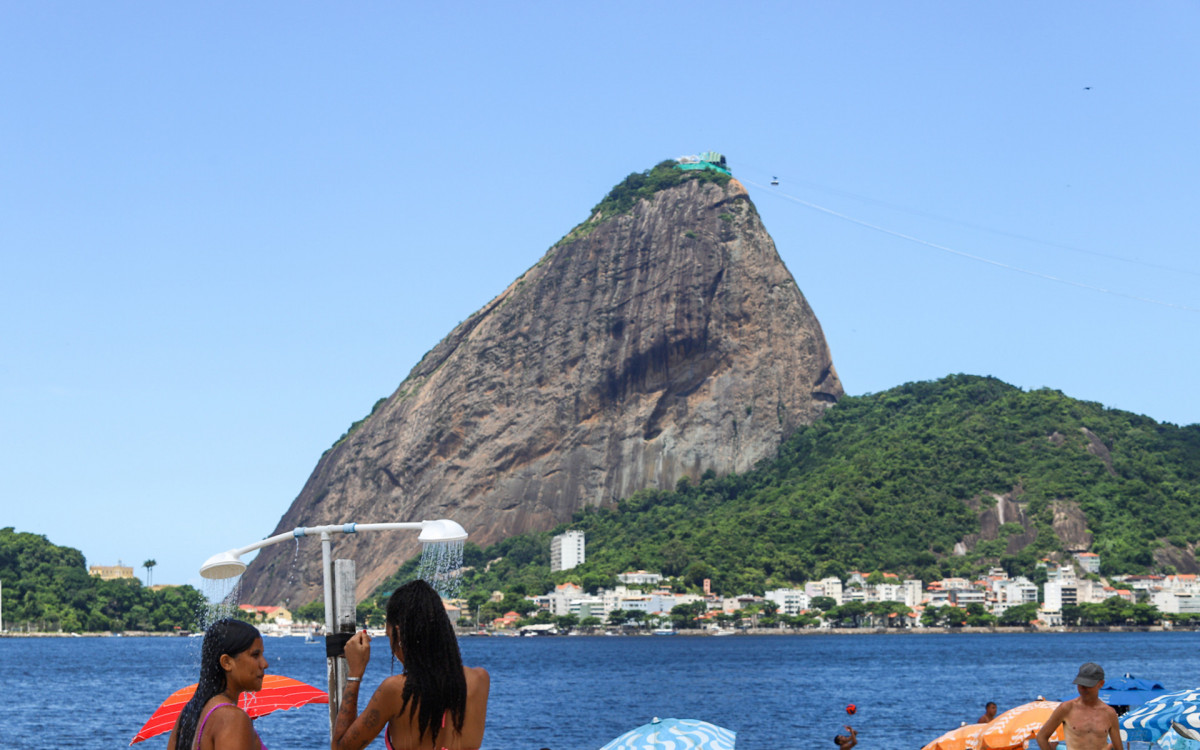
point(664, 631)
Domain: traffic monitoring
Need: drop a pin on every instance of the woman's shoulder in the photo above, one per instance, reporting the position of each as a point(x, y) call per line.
point(219, 718)
point(223, 712)
point(477, 677)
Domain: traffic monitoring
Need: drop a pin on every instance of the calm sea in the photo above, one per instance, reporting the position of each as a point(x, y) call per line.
point(577, 693)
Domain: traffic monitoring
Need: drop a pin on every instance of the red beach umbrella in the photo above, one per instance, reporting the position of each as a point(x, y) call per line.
point(278, 692)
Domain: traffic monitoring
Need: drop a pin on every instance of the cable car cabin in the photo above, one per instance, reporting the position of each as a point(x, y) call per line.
point(774, 180)
point(707, 160)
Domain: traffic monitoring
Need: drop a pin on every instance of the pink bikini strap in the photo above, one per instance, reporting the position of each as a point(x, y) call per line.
point(200, 731)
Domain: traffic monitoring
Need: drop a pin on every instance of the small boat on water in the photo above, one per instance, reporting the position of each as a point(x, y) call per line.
point(664, 631)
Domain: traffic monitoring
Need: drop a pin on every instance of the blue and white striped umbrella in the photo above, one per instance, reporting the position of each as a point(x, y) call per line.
point(675, 734)
point(1153, 718)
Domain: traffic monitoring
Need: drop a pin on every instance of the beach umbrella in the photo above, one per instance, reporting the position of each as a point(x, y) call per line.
point(277, 693)
point(1152, 719)
point(674, 734)
point(1016, 726)
point(1127, 691)
point(965, 737)
point(1173, 740)
point(1180, 737)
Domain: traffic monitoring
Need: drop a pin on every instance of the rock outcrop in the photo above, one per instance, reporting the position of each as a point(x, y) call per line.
point(647, 345)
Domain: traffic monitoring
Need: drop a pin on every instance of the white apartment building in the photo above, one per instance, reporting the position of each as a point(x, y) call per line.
point(955, 584)
point(853, 594)
point(914, 592)
point(559, 601)
point(887, 592)
point(1183, 584)
point(1089, 561)
point(963, 597)
point(1060, 573)
point(639, 578)
point(937, 597)
point(1176, 602)
point(790, 601)
point(831, 587)
point(588, 606)
point(1012, 592)
point(1058, 594)
point(567, 551)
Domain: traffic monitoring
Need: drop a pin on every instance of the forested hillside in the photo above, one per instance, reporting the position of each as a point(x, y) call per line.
point(47, 588)
point(893, 481)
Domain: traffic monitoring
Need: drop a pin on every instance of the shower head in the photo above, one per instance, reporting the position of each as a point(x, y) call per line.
point(222, 565)
point(443, 530)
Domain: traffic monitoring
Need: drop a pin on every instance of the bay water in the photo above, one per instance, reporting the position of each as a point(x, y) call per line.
point(578, 693)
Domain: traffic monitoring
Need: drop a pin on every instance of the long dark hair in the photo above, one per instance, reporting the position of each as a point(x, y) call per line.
point(226, 636)
point(433, 672)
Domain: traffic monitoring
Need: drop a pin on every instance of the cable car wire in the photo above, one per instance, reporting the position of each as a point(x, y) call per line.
point(981, 228)
point(960, 253)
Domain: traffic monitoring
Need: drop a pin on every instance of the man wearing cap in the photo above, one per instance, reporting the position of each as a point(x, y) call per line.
point(1088, 723)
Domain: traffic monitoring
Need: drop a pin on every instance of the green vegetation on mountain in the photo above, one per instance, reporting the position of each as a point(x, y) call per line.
point(886, 482)
point(642, 186)
point(47, 588)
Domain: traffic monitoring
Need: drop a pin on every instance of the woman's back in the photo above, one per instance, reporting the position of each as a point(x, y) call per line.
point(403, 731)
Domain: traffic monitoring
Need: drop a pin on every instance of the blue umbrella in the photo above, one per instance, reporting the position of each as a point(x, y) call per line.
point(1179, 738)
point(674, 734)
point(1153, 718)
point(1128, 691)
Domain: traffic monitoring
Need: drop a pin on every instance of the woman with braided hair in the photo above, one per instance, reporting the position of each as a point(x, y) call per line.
point(435, 703)
point(231, 663)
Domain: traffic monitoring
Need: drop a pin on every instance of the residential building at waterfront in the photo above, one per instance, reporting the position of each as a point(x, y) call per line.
point(790, 601)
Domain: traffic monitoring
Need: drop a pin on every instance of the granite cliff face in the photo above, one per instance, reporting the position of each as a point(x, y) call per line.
point(645, 346)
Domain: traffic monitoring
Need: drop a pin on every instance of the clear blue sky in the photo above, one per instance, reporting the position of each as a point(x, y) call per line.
point(228, 229)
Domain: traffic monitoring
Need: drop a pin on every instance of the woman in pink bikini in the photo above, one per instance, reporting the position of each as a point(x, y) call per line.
point(435, 703)
point(231, 662)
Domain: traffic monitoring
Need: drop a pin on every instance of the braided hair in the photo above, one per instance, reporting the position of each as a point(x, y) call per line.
point(223, 637)
point(434, 684)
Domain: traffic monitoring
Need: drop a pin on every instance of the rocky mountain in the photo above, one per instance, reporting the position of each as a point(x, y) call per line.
point(661, 338)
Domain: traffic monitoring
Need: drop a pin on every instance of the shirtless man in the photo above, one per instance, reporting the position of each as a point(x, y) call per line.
point(989, 713)
point(1090, 725)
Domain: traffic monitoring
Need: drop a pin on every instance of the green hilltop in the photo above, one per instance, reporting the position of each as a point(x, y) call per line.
point(893, 481)
point(47, 588)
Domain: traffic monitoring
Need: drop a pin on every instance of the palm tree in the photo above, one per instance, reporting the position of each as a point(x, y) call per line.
point(149, 566)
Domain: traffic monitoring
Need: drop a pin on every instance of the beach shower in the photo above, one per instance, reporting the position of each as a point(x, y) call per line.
point(441, 563)
point(441, 544)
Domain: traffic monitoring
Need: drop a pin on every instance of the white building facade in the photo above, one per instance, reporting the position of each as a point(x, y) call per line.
point(567, 551)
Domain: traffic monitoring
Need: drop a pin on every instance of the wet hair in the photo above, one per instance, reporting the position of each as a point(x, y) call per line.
point(433, 672)
point(224, 637)
point(837, 739)
point(989, 704)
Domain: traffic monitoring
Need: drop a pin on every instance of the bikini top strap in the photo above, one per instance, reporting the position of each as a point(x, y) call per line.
point(200, 731)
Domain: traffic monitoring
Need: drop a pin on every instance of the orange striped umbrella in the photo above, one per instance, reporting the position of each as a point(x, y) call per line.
point(965, 737)
point(1016, 726)
point(277, 692)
